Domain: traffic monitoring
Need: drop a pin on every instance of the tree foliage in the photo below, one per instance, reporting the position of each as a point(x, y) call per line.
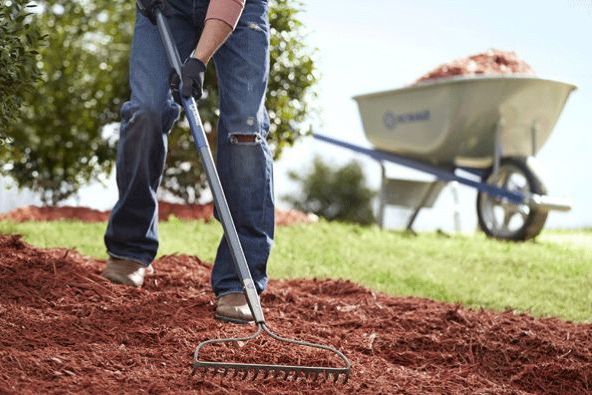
point(20, 40)
point(58, 144)
point(292, 78)
point(338, 194)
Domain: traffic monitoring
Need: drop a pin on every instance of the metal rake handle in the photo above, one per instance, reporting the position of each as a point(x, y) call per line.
point(202, 146)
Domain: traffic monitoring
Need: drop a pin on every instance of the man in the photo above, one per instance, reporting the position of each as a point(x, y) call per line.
point(235, 35)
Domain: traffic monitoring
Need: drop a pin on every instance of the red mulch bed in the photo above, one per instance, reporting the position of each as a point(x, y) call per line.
point(165, 211)
point(64, 329)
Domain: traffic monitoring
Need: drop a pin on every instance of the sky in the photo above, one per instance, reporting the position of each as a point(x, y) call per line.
point(377, 45)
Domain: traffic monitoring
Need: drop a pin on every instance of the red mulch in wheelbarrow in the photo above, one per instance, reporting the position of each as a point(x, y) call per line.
point(64, 329)
point(487, 63)
point(165, 211)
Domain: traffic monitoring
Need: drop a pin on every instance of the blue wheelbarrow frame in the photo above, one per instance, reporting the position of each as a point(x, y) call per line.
point(476, 180)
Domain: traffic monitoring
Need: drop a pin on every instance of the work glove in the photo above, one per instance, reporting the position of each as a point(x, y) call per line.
point(192, 76)
point(147, 8)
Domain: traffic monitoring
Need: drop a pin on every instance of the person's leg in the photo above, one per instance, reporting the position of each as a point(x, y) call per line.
point(132, 232)
point(244, 161)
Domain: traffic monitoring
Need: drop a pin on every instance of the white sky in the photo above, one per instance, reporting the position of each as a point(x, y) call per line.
point(374, 45)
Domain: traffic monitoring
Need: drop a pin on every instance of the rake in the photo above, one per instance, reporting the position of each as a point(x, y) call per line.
point(235, 369)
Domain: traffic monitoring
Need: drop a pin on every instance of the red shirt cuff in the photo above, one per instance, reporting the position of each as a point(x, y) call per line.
point(228, 11)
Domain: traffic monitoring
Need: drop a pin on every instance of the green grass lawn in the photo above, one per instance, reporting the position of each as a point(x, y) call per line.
point(549, 277)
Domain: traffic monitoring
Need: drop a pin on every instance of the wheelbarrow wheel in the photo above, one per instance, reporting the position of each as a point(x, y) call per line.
point(501, 219)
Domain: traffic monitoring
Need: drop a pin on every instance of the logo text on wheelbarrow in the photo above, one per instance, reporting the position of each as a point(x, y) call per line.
point(392, 119)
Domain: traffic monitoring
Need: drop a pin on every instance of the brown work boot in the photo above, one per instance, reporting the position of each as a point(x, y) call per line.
point(233, 307)
point(122, 271)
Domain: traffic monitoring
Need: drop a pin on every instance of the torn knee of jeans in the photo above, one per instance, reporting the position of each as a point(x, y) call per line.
point(245, 138)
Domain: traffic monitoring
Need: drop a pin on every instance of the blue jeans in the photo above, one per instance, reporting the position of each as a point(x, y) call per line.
point(244, 161)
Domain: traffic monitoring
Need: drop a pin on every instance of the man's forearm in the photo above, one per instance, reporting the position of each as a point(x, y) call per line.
point(220, 21)
point(214, 34)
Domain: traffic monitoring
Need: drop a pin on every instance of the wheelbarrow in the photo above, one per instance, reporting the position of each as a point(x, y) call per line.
point(483, 132)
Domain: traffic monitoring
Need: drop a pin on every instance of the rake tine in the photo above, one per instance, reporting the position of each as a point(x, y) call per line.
point(246, 373)
point(304, 375)
point(225, 372)
point(346, 378)
point(257, 371)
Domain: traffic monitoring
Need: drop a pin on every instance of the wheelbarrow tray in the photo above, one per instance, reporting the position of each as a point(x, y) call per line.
point(453, 121)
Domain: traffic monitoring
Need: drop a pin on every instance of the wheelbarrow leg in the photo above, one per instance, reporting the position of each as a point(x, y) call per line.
point(421, 204)
point(497, 146)
point(382, 196)
point(533, 135)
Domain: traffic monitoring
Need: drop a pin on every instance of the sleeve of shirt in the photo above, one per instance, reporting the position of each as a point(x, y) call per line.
point(228, 11)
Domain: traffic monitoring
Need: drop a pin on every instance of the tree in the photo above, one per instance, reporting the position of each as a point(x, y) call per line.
point(20, 39)
point(292, 78)
point(57, 143)
point(335, 194)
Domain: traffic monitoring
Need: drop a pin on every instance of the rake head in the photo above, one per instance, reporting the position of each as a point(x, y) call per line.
point(252, 371)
